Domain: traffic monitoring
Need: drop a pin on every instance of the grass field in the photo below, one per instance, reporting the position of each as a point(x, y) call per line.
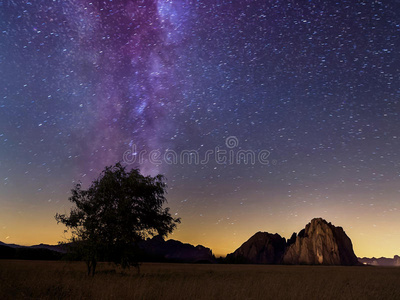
point(67, 280)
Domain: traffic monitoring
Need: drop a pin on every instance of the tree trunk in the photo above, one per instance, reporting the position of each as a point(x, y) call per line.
point(89, 267)
point(138, 269)
point(94, 263)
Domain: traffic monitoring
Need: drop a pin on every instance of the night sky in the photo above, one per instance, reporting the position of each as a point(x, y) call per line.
point(315, 84)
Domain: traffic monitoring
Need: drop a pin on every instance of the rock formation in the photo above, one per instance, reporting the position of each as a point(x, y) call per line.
point(321, 243)
point(261, 248)
point(396, 261)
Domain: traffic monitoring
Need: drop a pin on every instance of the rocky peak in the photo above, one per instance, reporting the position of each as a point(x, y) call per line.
point(396, 261)
point(321, 243)
point(292, 239)
point(261, 248)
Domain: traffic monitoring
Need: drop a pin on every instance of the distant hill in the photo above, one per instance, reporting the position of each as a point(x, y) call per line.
point(382, 261)
point(155, 249)
point(37, 252)
point(10, 245)
point(56, 248)
point(319, 243)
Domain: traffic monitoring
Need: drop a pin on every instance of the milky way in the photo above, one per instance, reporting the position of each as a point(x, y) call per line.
point(316, 84)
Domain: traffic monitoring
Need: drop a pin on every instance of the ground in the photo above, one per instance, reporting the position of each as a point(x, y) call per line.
point(68, 280)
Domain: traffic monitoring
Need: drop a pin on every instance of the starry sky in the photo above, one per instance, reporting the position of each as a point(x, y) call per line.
point(315, 84)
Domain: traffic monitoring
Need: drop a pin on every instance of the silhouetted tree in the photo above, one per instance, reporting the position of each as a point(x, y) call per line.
point(114, 214)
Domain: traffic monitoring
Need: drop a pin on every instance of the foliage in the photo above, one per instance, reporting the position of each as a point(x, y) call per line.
point(116, 212)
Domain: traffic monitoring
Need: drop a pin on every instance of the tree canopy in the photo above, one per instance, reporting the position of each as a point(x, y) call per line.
point(119, 209)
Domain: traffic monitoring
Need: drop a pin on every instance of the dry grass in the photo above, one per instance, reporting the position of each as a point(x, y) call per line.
point(63, 280)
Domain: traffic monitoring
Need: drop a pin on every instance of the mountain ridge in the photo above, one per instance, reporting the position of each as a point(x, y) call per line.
point(153, 249)
point(319, 243)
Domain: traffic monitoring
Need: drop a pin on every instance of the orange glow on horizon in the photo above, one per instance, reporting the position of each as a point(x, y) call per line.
point(370, 239)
